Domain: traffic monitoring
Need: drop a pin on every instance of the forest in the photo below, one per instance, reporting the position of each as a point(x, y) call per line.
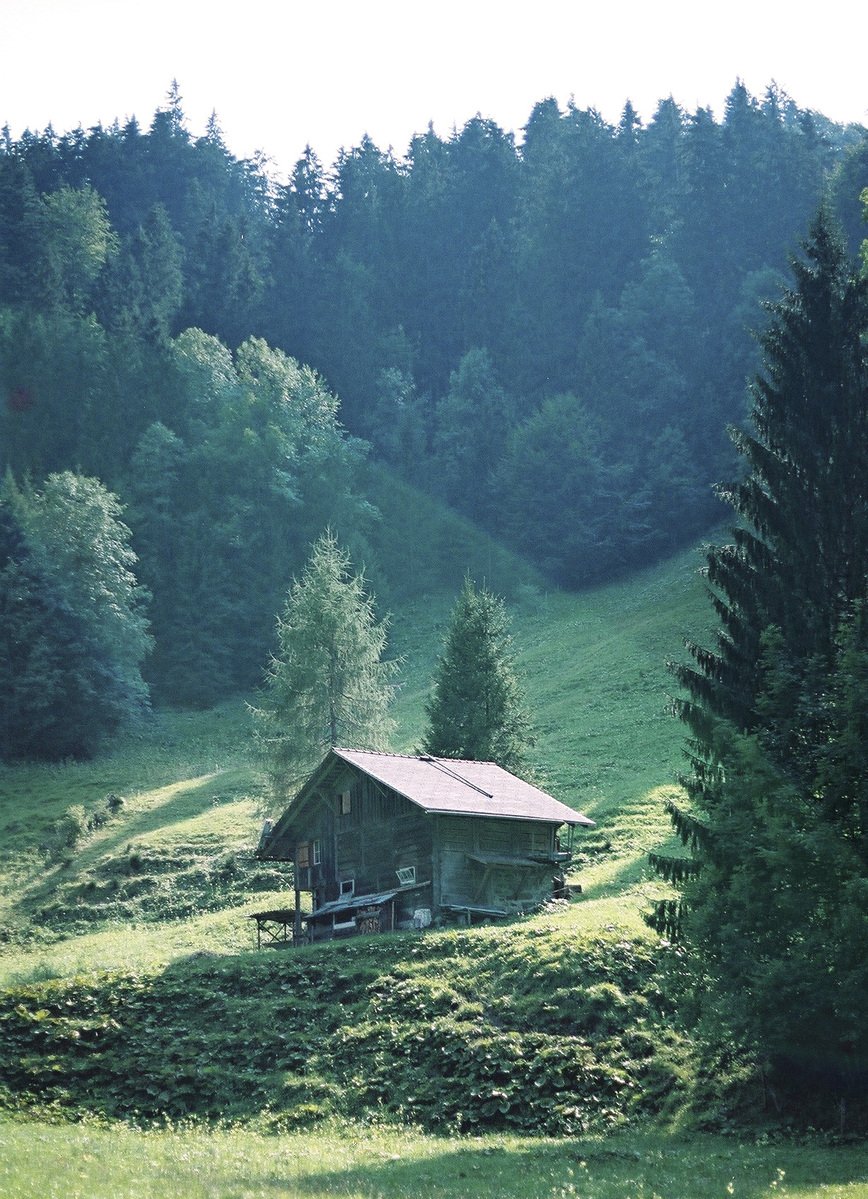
point(548, 333)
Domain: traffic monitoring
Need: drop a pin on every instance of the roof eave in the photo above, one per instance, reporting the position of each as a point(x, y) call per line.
point(297, 805)
point(576, 819)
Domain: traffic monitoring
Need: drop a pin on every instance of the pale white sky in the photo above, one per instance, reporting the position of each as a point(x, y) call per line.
point(282, 73)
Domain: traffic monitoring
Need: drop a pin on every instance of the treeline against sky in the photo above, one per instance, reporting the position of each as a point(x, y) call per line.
point(550, 333)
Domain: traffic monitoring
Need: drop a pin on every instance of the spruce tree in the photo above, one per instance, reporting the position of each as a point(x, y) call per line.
point(772, 895)
point(477, 710)
point(327, 683)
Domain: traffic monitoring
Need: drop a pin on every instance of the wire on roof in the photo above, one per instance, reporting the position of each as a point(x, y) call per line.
point(454, 774)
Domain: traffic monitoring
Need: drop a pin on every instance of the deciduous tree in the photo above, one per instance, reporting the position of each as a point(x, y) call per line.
point(72, 630)
point(76, 524)
point(327, 684)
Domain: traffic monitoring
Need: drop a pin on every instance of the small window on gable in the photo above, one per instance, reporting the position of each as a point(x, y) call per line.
point(317, 853)
point(346, 803)
point(406, 875)
point(348, 887)
point(303, 856)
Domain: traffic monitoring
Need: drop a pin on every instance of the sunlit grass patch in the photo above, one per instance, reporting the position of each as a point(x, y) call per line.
point(139, 946)
point(216, 817)
point(169, 748)
point(39, 1160)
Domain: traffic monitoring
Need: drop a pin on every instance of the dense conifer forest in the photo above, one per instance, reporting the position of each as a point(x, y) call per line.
point(547, 330)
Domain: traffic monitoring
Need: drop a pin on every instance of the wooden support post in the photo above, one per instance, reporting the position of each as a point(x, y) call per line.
point(296, 927)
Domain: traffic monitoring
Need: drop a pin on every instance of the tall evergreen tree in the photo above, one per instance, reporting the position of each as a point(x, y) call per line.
point(327, 684)
point(477, 711)
point(473, 424)
point(798, 561)
point(778, 821)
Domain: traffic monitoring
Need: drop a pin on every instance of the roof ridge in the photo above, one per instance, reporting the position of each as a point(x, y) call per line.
point(380, 753)
point(390, 753)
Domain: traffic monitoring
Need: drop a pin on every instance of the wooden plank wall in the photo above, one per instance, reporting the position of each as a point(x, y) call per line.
point(512, 888)
point(382, 833)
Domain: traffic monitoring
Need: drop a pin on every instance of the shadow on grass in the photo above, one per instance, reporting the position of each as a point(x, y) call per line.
point(151, 814)
point(621, 1164)
point(182, 801)
point(625, 873)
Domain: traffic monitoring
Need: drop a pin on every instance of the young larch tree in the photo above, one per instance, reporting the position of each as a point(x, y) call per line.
point(327, 684)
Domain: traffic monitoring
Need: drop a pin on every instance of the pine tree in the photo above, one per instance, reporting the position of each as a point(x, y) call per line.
point(772, 895)
point(477, 710)
point(327, 684)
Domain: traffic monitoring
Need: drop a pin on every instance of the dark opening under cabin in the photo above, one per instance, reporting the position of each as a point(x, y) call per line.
point(385, 841)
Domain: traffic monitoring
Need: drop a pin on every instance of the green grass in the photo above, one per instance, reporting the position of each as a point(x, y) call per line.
point(169, 747)
point(596, 680)
point(142, 919)
point(598, 683)
point(40, 1160)
point(424, 548)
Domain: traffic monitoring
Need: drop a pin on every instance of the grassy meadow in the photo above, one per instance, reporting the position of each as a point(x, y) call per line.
point(149, 1049)
point(191, 810)
point(91, 1161)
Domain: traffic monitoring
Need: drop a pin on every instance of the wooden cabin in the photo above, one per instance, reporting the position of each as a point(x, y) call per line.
point(384, 841)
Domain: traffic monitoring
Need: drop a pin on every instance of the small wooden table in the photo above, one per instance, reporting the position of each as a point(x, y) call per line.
point(276, 927)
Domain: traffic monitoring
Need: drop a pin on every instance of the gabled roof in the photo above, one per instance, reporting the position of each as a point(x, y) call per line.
point(462, 788)
point(439, 786)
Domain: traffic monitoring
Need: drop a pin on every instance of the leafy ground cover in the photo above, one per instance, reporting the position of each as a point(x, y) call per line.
point(532, 1027)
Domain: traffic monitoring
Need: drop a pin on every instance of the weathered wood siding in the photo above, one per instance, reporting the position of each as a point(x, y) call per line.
point(351, 835)
point(382, 833)
point(511, 888)
point(315, 826)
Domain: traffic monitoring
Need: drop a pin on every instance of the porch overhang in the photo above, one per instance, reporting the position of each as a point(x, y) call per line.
point(351, 903)
point(527, 861)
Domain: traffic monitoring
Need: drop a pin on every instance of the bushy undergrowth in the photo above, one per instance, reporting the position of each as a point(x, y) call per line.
point(451, 1029)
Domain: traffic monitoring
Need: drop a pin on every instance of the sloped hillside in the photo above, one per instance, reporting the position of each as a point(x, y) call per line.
point(134, 985)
